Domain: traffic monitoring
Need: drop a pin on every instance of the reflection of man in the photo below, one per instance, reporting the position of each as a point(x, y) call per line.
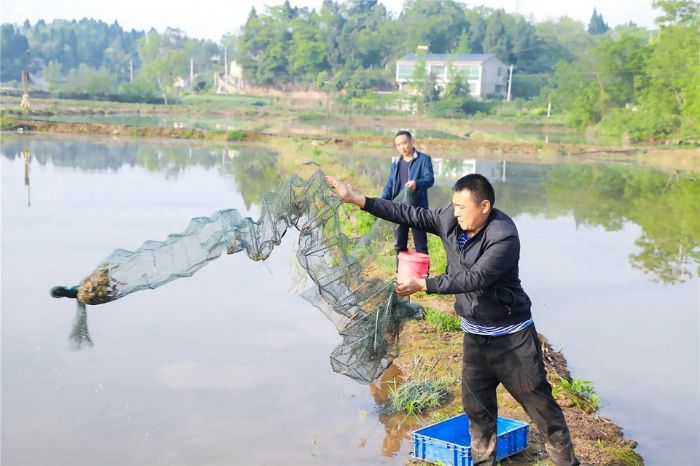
point(396, 428)
point(414, 171)
point(500, 341)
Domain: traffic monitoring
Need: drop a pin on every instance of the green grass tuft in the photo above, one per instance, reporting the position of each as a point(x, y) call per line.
point(235, 135)
point(580, 392)
point(627, 456)
point(442, 321)
point(421, 393)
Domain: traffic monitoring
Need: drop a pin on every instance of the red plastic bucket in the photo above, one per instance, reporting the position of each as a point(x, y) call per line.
point(413, 265)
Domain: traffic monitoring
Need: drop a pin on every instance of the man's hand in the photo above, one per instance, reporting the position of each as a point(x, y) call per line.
point(345, 192)
point(411, 185)
point(410, 286)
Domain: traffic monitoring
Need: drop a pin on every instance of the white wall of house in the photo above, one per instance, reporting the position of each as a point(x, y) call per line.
point(485, 77)
point(494, 79)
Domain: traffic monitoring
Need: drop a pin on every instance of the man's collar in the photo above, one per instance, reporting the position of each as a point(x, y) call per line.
point(415, 155)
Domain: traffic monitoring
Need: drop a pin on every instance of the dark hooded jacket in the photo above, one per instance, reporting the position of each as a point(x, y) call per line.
point(483, 275)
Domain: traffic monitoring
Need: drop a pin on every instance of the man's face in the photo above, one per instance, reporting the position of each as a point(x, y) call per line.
point(404, 145)
point(470, 215)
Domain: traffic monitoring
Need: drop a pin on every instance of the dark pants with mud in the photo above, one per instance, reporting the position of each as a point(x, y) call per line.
point(420, 239)
point(514, 360)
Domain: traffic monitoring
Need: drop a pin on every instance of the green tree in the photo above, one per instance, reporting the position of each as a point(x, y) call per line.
point(263, 46)
point(619, 66)
point(52, 75)
point(91, 81)
point(597, 25)
point(463, 43)
point(678, 12)
point(422, 81)
point(496, 39)
point(163, 59)
point(307, 54)
point(457, 86)
point(477, 27)
point(439, 25)
point(573, 89)
point(525, 45)
point(14, 53)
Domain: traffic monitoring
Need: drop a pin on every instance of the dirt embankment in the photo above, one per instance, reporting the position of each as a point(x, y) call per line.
point(663, 157)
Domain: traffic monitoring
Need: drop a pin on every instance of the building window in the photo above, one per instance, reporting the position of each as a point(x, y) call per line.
point(500, 72)
point(438, 71)
point(405, 71)
point(498, 89)
point(469, 72)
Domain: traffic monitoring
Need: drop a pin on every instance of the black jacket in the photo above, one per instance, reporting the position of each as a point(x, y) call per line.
point(484, 275)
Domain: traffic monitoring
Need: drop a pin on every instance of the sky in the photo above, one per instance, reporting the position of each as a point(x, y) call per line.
point(219, 17)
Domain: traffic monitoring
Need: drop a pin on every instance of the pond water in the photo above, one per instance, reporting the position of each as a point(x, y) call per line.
point(232, 364)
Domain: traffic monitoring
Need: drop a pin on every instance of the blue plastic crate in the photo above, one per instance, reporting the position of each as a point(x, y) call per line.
point(449, 442)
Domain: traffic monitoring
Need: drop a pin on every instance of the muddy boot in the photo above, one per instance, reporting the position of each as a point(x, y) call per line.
point(484, 452)
point(562, 455)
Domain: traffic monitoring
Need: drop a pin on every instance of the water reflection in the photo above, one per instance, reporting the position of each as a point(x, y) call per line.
point(80, 335)
point(27, 156)
point(663, 205)
point(397, 426)
point(254, 172)
point(607, 195)
point(453, 169)
point(169, 159)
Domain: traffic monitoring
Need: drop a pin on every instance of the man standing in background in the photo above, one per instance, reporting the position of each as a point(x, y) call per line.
point(412, 170)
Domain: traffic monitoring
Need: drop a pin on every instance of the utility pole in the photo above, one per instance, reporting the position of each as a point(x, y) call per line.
point(191, 73)
point(131, 70)
point(27, 156)
point(25, 85)
point(549, 108)
point(510, 80)
point(225, 62)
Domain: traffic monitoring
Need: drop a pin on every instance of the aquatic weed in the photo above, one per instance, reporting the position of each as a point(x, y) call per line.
point(421, 393)
point(580, 392)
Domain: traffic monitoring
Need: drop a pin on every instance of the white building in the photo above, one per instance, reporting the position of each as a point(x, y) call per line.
point(231, 82)
point(487, 75)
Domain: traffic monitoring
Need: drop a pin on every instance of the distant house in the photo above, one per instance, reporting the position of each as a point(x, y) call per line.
point(180, 83)
point(487, 75)
point(231, 81)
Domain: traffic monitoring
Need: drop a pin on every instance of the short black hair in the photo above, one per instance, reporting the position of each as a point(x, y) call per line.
point(478, 185)
point(403, 132)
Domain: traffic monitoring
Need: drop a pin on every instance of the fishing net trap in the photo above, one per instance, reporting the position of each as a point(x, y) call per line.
point(366, 311)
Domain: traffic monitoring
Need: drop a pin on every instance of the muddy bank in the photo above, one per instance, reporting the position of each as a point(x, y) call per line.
point(661, 156)
point(463, 146)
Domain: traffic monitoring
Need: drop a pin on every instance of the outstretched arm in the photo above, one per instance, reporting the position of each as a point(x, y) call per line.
point(406, 287)
point(346, 193)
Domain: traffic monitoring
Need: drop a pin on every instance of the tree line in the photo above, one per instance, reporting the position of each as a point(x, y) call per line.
point(637, 83)
point(95, 58)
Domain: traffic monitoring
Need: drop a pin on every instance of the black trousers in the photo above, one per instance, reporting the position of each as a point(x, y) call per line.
point(420, 239)
point(514, 360)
